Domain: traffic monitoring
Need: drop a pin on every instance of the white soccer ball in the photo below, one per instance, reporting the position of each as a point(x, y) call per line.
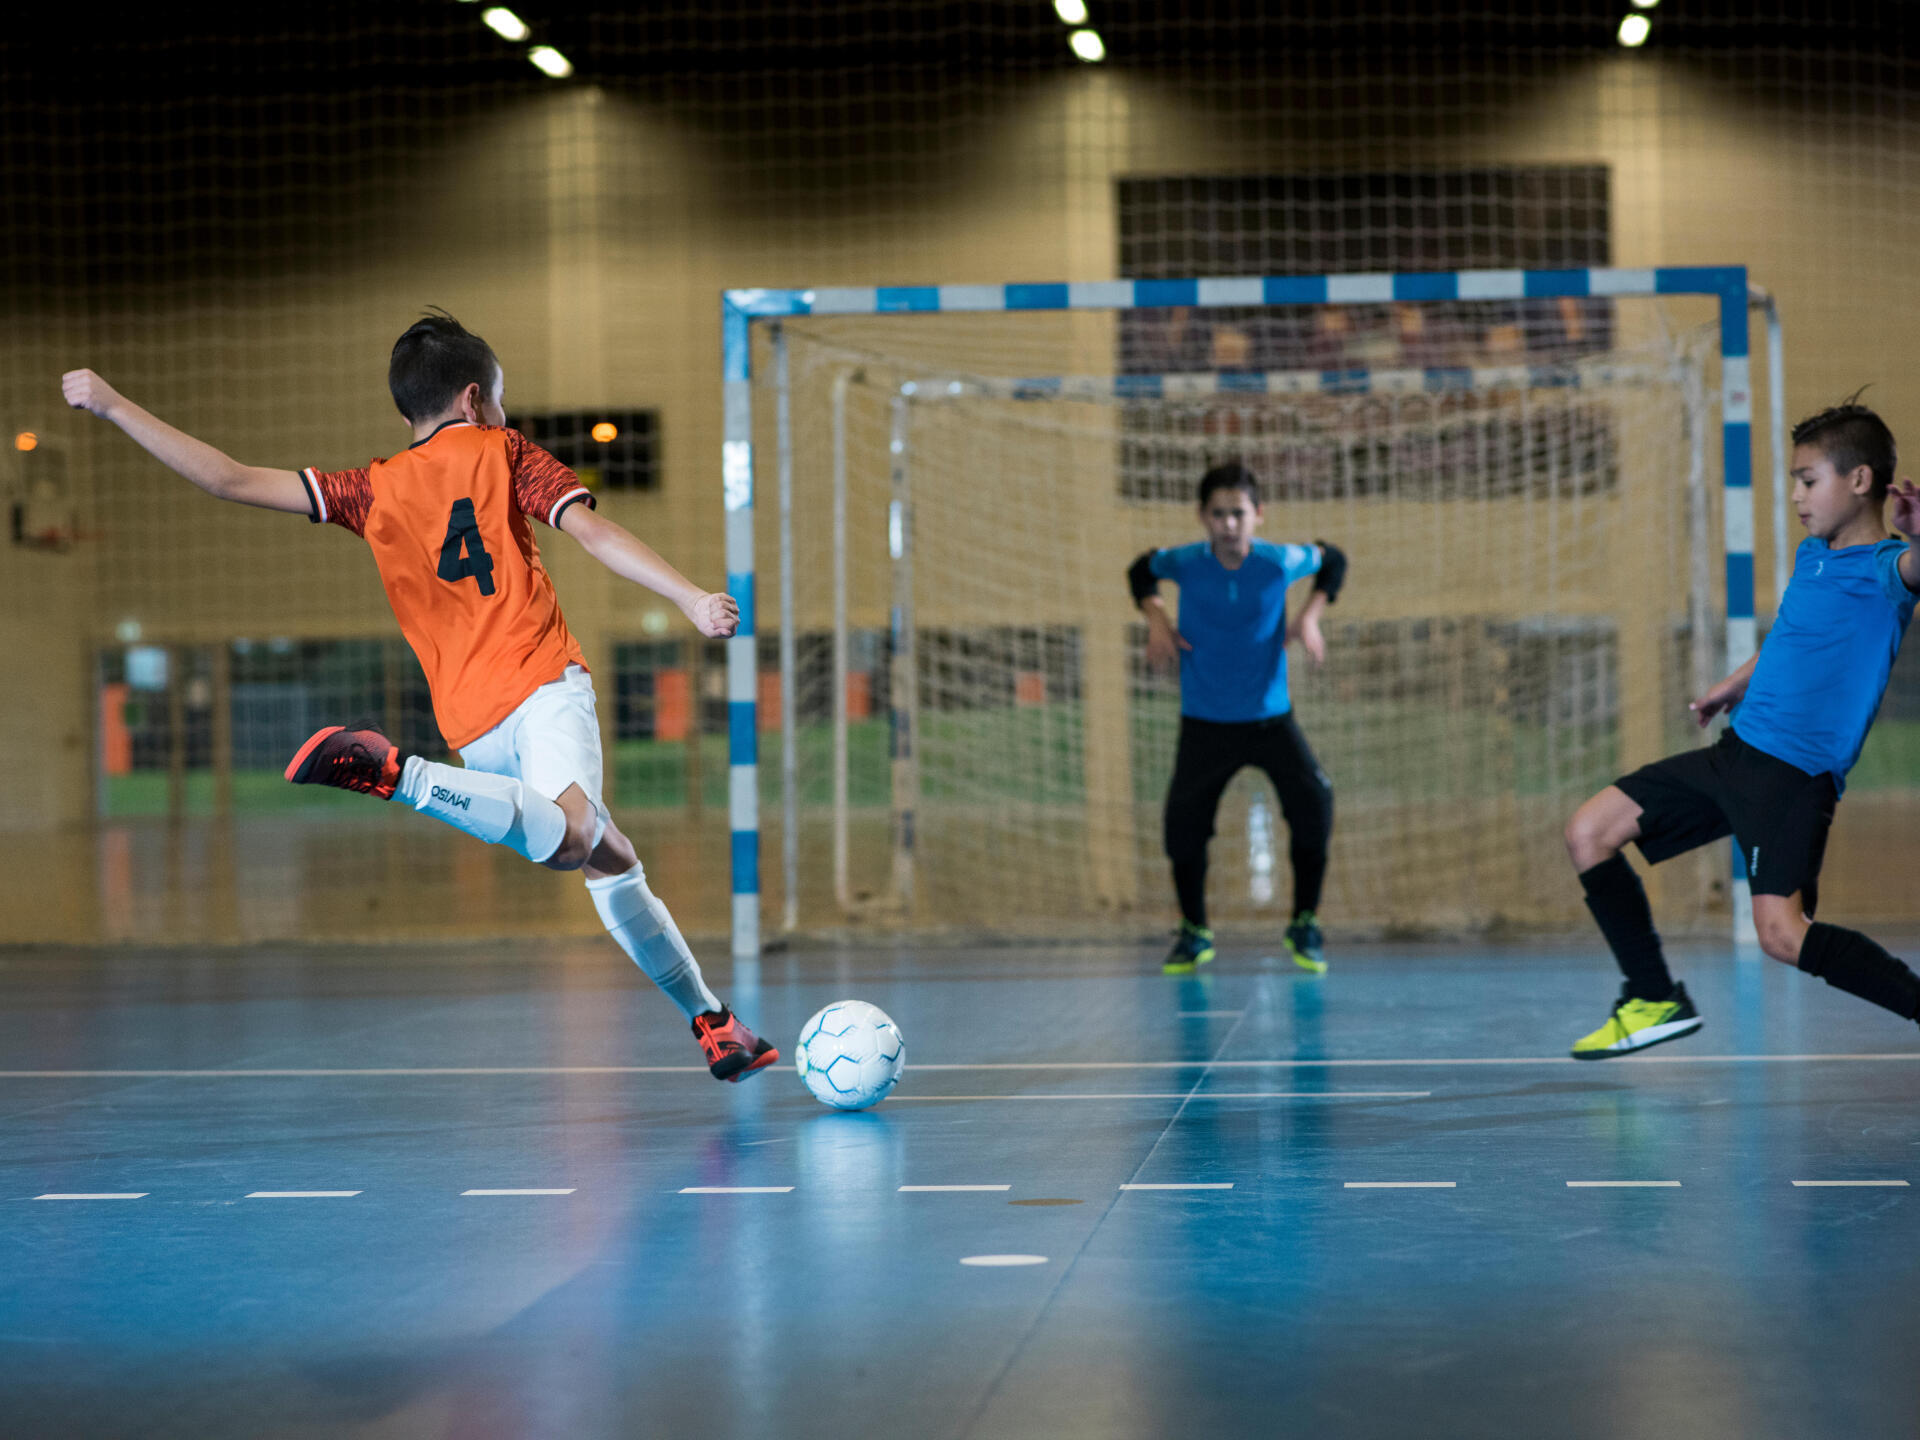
point(850, 1055)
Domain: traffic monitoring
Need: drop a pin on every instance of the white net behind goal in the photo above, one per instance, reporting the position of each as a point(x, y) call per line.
point(1533, 590)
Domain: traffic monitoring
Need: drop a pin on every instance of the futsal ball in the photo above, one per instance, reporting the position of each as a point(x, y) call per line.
point(850, 1055)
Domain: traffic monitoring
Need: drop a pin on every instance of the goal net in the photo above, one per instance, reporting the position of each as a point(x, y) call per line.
point(970, 736)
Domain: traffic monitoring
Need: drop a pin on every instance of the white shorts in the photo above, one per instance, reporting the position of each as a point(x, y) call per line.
point(550, 741)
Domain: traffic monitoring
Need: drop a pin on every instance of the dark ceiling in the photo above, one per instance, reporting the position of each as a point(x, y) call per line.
point(155, 52)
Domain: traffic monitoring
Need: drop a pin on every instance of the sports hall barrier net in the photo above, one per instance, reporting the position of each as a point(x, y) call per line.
point(234, 221)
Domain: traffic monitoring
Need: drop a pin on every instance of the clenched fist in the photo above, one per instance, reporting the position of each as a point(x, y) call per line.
point(715, 615)
point(87, 391)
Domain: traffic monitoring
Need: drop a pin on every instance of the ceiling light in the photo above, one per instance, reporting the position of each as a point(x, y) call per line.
point(1645, 4)
point(1086, 44)
point(1071, 12)
point(550, 61)
point(1634, 31)
point(504, 23)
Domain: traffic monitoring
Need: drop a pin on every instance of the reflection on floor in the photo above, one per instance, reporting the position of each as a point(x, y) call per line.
point(489, 1192)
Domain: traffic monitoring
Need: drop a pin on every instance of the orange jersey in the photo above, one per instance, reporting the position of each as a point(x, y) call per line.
point(447, 521)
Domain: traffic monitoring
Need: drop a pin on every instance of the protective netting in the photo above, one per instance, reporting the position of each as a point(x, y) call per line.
point(1530, 600)
point(233, 220)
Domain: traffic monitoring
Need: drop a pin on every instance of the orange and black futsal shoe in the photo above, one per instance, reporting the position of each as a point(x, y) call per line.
point(733, 1051)
point(361, 759)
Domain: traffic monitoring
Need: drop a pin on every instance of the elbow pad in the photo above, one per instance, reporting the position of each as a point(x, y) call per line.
point(1141, 577)
point(1333, 571)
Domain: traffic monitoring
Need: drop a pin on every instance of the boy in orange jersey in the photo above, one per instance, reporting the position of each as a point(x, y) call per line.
point(447, 520)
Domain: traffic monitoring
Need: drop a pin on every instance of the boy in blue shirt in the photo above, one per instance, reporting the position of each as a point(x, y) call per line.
point(1234, 708)
point(1801, 709)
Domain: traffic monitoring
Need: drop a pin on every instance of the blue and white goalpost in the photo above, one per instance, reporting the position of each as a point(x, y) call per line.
point(745, 309)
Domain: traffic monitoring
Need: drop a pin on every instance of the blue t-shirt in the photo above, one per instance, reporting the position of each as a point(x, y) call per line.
point(1236, 622)
point(1825, 663)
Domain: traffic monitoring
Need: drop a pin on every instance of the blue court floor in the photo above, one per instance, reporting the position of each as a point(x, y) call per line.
point(488, 1192)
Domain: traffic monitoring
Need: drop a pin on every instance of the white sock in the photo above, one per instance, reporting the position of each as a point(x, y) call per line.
point(641, 926)
point(495, 808)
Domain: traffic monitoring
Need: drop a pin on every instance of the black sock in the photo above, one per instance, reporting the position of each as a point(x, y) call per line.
point(1190, 884)
point(1619, 904)
point(1850, 961)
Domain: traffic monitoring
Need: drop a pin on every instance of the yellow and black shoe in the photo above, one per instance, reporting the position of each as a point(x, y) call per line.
point(1305, 944)
point(1192, 945)
point(1636, 1024)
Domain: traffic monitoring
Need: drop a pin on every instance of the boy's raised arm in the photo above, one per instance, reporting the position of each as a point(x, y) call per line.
point(714, 614)
point(218, 474)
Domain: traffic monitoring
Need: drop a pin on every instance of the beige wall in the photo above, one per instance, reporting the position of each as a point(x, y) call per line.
point(588, 236)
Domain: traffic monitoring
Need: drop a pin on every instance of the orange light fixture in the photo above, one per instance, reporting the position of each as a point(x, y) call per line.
point(26, 440)
point(606, 432)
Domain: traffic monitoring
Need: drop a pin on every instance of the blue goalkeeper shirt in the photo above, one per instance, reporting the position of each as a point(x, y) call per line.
point(1826, 661)
point(1236, 622)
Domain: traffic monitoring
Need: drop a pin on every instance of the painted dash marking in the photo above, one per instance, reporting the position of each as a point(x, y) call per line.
point(567, 1191)
point(301, 1194)
point(105, 1195)
point(936, 1189)
point(1849, 1184)
point(1623, 1184)
point(1183, 1185)
point(736, 1189)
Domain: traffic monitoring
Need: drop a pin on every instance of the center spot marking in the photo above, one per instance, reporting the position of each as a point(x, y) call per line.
point(1046, 1202)
point(997, 1261)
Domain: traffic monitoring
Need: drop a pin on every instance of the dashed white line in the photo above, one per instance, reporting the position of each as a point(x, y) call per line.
point(1189, 1185)
point(736, 1190)
point(1401, 1184)
point(301, 1194)
point(998, 1261)
point(1623, 1184)
point(1849, 1184)
point(517, 1192)
point(1640, 1062)
point(110, 1195)
point(935, 1189)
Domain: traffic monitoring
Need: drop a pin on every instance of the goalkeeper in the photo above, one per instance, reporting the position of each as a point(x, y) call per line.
point(1234, 709)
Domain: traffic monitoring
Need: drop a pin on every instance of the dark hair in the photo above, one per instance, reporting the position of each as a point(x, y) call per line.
point(1850, 435)
point(1230, 476)
point(434, 361)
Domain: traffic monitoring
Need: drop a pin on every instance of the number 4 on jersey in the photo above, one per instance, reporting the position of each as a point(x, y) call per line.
point(463, 554)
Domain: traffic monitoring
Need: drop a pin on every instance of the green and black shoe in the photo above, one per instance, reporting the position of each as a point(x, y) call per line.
point(1304, 943)
point(1192, 945)
point(1636, 1024)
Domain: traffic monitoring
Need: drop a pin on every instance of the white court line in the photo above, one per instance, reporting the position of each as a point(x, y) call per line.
point(935, 1189)
point(1183, 1095)
point(1847, 1184)
point(131, 1195)
point(1639, 1061)
point(1197, 1185)
point(301, 1194)
point(737, 1190)
point(1400, 1184)
point(517, 1192)
point(1623, 1184)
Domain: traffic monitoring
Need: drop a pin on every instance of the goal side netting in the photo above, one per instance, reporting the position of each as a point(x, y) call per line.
point(976, 740)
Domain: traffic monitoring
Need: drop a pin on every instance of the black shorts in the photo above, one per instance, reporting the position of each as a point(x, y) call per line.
point(1777, 813)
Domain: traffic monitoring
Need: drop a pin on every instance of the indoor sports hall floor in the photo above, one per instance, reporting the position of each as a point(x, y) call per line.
point(486, 1192)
